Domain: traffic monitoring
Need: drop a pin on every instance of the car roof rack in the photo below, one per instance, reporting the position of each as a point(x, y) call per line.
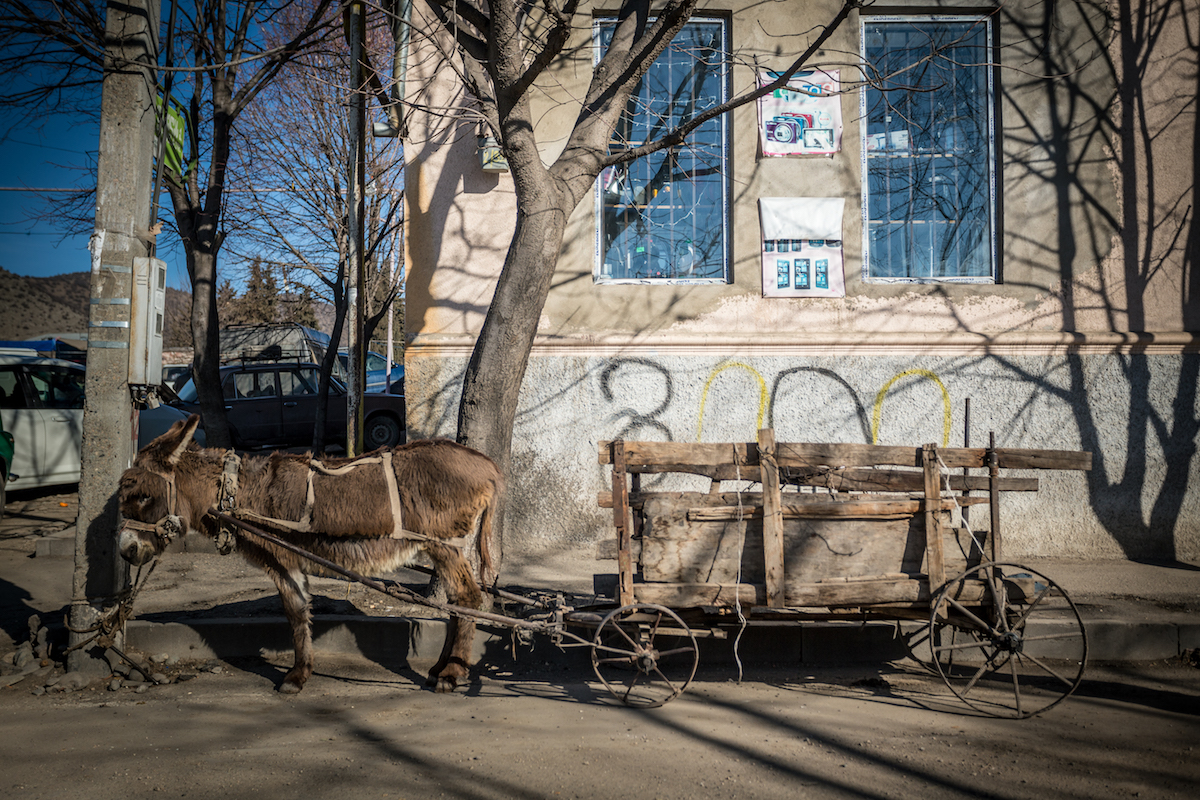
point(269, 354)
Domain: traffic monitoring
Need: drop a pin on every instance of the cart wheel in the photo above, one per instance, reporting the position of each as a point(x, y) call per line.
point(644, 654)
point(1007, 640)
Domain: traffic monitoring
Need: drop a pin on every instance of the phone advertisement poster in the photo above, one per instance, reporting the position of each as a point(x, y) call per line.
point(803, 119)
point(802, 246)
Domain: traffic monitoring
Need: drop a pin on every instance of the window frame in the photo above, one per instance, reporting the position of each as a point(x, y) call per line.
point(994, 167)
point(725, 182)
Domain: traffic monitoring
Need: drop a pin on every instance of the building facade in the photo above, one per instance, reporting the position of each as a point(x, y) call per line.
point(962, 206)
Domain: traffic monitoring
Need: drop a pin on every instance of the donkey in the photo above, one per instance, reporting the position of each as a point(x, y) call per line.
point(348, 511)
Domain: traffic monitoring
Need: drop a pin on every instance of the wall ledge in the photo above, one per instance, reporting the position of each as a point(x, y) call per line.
point(937, 343)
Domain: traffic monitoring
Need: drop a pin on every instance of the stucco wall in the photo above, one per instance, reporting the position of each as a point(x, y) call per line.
point(1134, 503)
point(1099, 239)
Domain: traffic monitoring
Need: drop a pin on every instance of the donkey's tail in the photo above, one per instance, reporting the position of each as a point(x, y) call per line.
point(487, 571)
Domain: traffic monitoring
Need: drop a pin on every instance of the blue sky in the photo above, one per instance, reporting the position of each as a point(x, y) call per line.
point(54, 155)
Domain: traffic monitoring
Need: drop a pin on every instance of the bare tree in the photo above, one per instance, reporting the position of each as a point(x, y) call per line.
point(501, 49)
point(214, 61)
point(292, 200)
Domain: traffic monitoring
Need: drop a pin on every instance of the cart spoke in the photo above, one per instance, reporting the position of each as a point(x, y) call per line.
point(975, 678)
point(977, 644)
point(625, 635)
point(1049, 670)
point(674, 652)
point(1016, 679)
point(1025, 612)
point(617, 661)
point(667, 681)
point(983, 626)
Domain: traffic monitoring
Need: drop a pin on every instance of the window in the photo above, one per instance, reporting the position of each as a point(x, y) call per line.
point(929, 205)
point(296, 382)
point(57, 387)
point(250, 385)
point(665, 217)
point(11, 393)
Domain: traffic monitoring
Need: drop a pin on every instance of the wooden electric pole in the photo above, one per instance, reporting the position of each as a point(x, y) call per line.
point(123, 189)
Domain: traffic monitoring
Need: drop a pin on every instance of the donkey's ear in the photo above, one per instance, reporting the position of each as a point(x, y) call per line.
point(167, 449)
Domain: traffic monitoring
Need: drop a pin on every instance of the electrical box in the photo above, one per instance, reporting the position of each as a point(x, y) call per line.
point(147, 306)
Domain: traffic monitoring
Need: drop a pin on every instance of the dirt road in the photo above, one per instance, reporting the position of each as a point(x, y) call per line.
point(359, 730)
point(362, 730)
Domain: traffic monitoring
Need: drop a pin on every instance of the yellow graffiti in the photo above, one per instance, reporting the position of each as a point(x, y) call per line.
point(763, 397)
point(924, 373)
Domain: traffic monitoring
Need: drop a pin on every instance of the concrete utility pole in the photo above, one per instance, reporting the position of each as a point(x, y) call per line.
point(355, 198)
point(123, 189)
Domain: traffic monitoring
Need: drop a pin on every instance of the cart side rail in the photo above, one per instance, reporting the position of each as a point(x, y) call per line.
point(722, 461)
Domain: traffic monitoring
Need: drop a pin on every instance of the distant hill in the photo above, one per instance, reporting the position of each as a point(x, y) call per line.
point(36, 306)
point(33, 307)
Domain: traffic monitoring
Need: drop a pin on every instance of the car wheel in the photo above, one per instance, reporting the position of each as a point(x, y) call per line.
point(382, 430)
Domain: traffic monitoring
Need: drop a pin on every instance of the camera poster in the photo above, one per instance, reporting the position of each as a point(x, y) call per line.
point(802, 246)
point(804, 119)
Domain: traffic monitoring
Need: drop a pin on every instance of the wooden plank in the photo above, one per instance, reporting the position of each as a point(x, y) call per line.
point(696, 454)
point(933, 533)
point(638, 499)
point(606, 550)
point(689, 595)
point(848, 509)
point(676, 549)
point(772, 523)
point(1009, 458)
point(859, 479)
point(858, 593)
point(703, 457)
point(994, 476)
point(802, 454)
point(912, 591)
point(623, 520)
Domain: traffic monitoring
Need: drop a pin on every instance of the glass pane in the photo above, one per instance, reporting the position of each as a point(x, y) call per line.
point(58, 388)
point(11, 394)
point(292, 383)
point(928, 179)
point(663, 217)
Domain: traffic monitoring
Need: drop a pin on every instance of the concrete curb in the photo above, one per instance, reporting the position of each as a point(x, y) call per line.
point(398, 640)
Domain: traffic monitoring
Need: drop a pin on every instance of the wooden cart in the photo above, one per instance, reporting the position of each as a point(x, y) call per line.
point(833, 531)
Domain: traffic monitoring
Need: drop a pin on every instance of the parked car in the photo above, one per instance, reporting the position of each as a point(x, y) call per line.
point(6, 457)
point(377, 374)
point(275, 405)
point(41, 405)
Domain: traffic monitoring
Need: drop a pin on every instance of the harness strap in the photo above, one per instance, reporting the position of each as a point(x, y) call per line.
point(227, 490)
point(304, 524)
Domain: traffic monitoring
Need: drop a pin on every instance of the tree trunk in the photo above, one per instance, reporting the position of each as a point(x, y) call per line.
point(492, 382)
point(206, 364)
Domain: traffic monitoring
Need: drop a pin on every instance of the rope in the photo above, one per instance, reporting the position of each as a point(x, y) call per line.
point(112, 620)
point(737, 593)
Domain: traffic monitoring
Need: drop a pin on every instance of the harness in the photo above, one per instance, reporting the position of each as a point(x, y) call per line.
point(171, 525)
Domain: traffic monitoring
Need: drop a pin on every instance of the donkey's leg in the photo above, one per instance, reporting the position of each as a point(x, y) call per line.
point(297, 607)
point(461, 590)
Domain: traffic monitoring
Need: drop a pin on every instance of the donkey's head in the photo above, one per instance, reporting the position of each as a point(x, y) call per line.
point(152, 512)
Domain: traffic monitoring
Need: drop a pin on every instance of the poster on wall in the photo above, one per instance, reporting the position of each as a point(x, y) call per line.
point(804, 119)
point(802, 246)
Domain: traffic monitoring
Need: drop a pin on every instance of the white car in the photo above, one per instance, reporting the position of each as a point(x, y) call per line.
point(41, 403)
